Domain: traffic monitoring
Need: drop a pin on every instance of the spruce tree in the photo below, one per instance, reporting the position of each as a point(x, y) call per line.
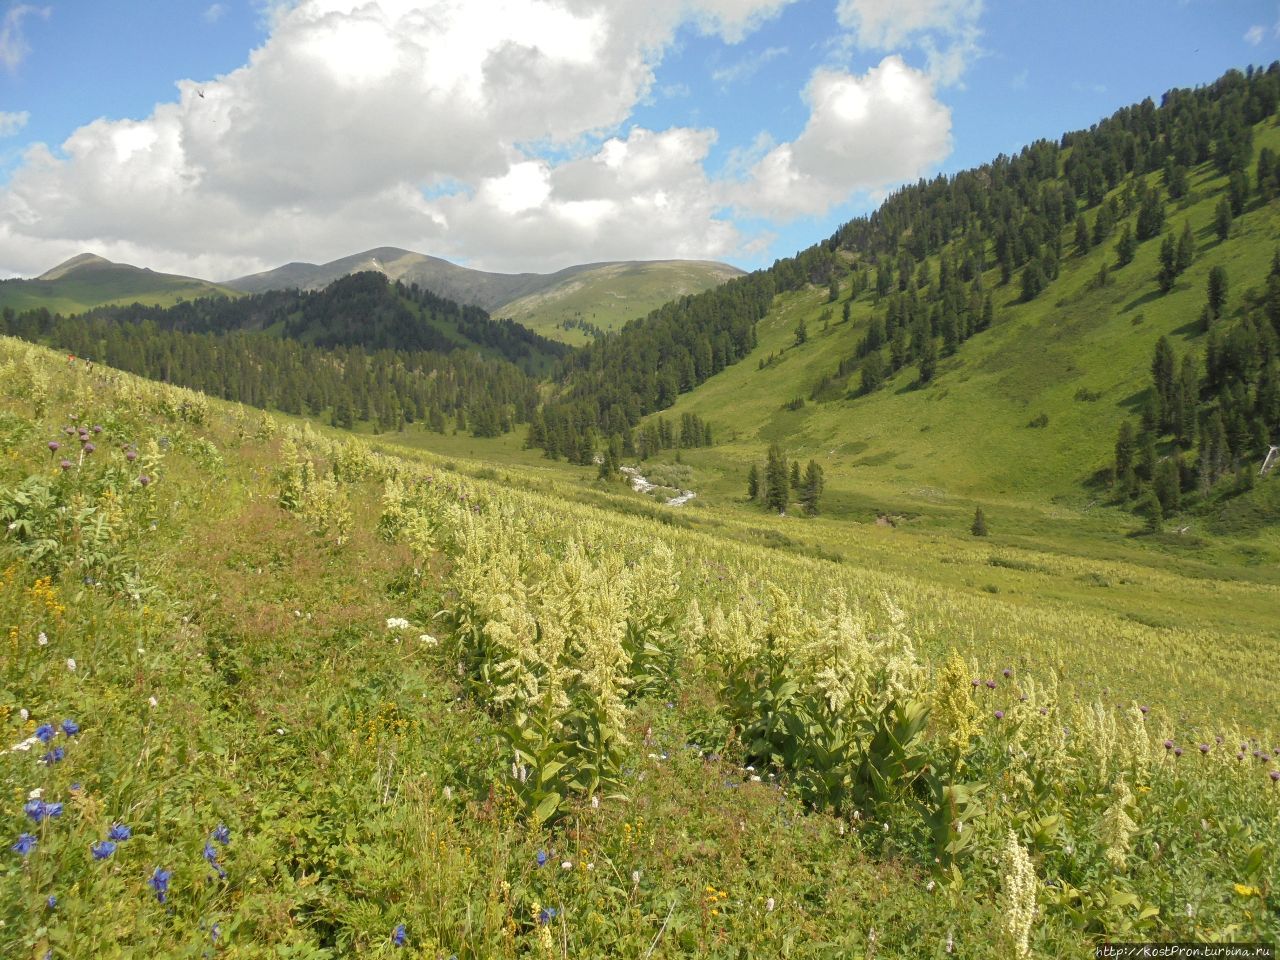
point(1186, 251)
point(753, 483)
point(1126, 246)
point(777, 487)
point(812, 488)
point(979, 527)
point(1217, 290)
point(1222, 218)
point(1154, 512)
point(795, 475)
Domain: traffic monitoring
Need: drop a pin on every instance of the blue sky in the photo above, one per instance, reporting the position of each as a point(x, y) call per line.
point(532, 134)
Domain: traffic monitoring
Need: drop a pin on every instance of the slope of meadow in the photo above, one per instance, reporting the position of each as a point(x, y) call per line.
point(293, 697)
point(88, 281)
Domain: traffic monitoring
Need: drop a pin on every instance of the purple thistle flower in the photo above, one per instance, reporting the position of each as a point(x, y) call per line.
point(89, 448)
point(1275, 776)
point(991, 684)
point(976, 684)
point(159, 882)
point(103, 849)
point(144, 480)
point(45, 732)
point(69, 430)
point(1204, 748)
point(1168, 744)
point(999, 714)
point(1007, 673)
point(222, 834)
point(97, 429)
point(1177, 751)
point(131, 455)
point(399, 935)
point(66, 464)
point(1145, 709)
point(26, 843)
point(1239, 756)
point(70, 727)
point(54, 446)
point(119, 831)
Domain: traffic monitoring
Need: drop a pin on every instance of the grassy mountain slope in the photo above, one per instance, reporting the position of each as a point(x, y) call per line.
point(1079, 354)
point(611, 292)
point(275, 623)
point(88, 281)
point(607, 296)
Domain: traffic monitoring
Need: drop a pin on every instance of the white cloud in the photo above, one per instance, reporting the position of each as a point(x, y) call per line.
point(745, 68)
point(946, 30)
point(865, 133)
point(13, 42)
point(1255, 34)
point(11, 123)
point(483, 132)
point(214, 12)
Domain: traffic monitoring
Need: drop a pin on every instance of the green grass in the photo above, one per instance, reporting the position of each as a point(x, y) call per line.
point(610, 295)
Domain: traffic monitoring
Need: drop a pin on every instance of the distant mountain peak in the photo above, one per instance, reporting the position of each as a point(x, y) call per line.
point(79, 261)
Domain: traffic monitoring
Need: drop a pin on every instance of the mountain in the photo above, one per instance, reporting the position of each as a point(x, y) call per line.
point(88, 281)
point(583, 305)
point(987, 334)
point(559, 305)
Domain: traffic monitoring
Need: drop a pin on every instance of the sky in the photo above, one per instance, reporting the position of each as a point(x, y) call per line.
point(219, 139)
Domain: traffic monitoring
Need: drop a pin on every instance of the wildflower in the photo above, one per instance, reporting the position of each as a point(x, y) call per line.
point(999, 714)
point(45, 732)
point(66, 464)
point(159, 882)
point(53, 756)
point(399, 935)
point(71, 664)
point(144, 480)
point(635, 877)
point(89, 448)
point(53, 809)
point(769, 905)
point(1275, 776)
point(1145, 709)
point(1168, 744)
point(541, 858)
point(26, 843)
point(153, 701)
point(951, 942)
point(546, 915)
point(1019, 896)
point(42, 640)
point(51, 902)
point(131, 455)
point(34, 809)
point(976, 684)
point(119, 831)
point(53, 446)
point(929, 886)
point(24, 714)
point(210, 853)
point(991, 684)
point(428, 640)
point(1204, 748)
point(397, 623)
point(222, 834)
point(1007, 673)
point(103, 849)
point(1177, 751)
point(36, 793)
point(97, 429)
point(70, 727)
point(566, 865)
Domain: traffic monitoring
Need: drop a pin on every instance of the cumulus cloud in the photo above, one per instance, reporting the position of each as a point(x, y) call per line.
point(11, 123)
point(214, 12)
point(946, 30)
point(487, 133)
point(1254, 35)
point(13, 41)
point(864, 134)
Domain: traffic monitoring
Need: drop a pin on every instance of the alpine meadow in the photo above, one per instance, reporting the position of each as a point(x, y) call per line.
point(915, 595)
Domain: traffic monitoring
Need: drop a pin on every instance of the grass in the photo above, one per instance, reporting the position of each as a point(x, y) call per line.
point(105, 284)
point(235, 665)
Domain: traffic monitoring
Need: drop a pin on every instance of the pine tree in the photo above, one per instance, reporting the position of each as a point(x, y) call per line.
point(1222, 218)
point(802, 333)
point(811, 490)
point(777, 488)
point(1154, 512)
point(795, 475)
point(1124, 450)
point(1168, 263)
point(928, 360)
point(753, 483)
point(1186, 251)
point(1217, 290)
point(1083, 241)
point(1126, 246)
point(979, 527)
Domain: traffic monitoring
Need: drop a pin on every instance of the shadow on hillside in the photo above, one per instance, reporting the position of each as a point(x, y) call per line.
point(1142, 300)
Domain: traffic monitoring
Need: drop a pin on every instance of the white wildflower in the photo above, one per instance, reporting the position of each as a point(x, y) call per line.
point(1018, 899)
point(153, 701)
point(42, 639)
point(595, 803)
point(929, 886)
point(397, 623)
point(566, 865)
point(755, 778)
point(951, 942)
point(427, 640)
point(280, 731)
point(36, 793)
point(769, 905)
point(24, 714)
point(71, 664)
point(635, 877)
point(447, 792)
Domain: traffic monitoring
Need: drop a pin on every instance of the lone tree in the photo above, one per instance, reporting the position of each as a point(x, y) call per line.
point(979, 528)
point(811, 488)
point(777, 488)
point(753, 482)
point(795, 474)
point(1154, 512)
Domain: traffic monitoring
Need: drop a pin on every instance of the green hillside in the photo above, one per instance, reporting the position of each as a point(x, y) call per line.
point(586, 304)
point(1079, 353)
point(89, 281)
